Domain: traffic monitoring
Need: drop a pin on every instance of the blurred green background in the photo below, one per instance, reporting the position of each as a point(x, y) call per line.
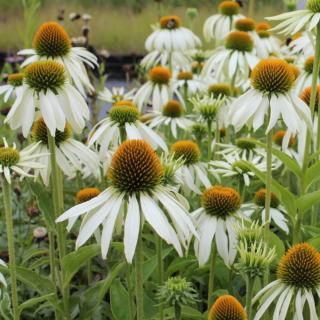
point(120, 26)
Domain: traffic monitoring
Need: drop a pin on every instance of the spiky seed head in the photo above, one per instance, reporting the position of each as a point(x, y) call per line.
point(39, 132)
point(87, 194)
point(227, 307)
point(135, 167)
point(273, 76)
point(42, 76)
point(51, 40)
point(239, 40)
point(300, 267)
point(160, 75)
point(220, 201)
point(170, 22)
point(229, 8)
point(187, 150)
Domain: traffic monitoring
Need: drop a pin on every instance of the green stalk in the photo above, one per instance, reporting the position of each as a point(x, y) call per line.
point(209, 124)
point(139, 277)
point(160, 269)
point(213, 259)
point(249, 293)
point(217, 138)
point(315, 75)
point(6, 189)
point(177, 311)
point(130, 293)
point(185, 97)
point(251, 8)
point(57, 196)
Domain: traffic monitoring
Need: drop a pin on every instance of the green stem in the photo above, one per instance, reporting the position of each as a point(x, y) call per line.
point(57, 196)
point(185, 97)
point(209, 123)
point(139, 277)
point(6, 189)
point(217, 138)
point(313, 98)
point(52, 256)
point(130, 293)
point(251, 8)
point(249, 292)
point(160, 269)
point(177, 311)
point(213, 258)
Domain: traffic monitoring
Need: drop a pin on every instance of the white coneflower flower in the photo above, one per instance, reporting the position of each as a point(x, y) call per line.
point(19, 162)
point(267, 43)
point(272, 92)
point(219, 25)
point(45, 88)
point(234, 60)
point(277, 211)
point(72, 155)
point(193, 172)
point(227, 307)
point(187, 81)
point(293, 22)
point(305, 78)
point(170, 36)
point(15, 81)
point(123, 117)
point(115, 94)
point(172, 117)
point(298, 282)
point(136, 183)
point(220, 209)
point(52, 42)
point(303, 44)
point(157, 91)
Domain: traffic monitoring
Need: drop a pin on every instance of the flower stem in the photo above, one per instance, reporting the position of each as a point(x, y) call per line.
point(209, 123)
point(249, 292)
point(251, 8)
point(57, 196)
point(213, 258)
point(160, 269)
point(217, 140)
point(6, 189)
point(139, 277)
point(130, 294)
point(177, 311)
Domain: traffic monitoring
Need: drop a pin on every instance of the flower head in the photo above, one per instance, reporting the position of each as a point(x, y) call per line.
point(16, 79)
point(245, 24)
point(9, 156)
point(229, 8)
point(87, 194)
point(227, 307)
point(160, 75)
point(300, 267)
point(220, 90)
point(172, 109)
point(280, 135)
point(260, 198)
point(185, 75)
point(123, 114)
point(135, 167)
point(51, 40)
point(170, 22)
point(272, 76)
point(220, 201)
point(240, 41)
point(42, 76)
point(187, 150)
point(313, 5)
point(305, 96)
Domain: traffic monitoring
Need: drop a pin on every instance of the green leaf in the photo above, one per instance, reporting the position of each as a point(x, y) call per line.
point(119, 301)
point(72, 262)
point(312, 173)
point(274, 241)
point(93, 296)
point(31, 302)
point(315, 242)
point(32, 253)
point(44, 202)
point(286, 197)
point(306, 201)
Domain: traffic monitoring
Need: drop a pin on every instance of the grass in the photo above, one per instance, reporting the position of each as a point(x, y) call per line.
point(117, 29)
